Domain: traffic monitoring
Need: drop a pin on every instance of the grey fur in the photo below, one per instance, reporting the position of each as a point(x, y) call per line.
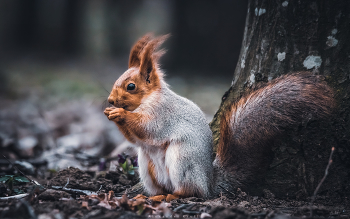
point(180, 122)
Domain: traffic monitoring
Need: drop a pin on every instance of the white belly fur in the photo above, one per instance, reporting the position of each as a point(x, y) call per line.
point(164, 164)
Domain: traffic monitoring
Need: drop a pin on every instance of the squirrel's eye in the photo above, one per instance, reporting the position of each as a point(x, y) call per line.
point(131, 86)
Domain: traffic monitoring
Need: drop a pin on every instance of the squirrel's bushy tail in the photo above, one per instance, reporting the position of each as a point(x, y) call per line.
point(250, 125)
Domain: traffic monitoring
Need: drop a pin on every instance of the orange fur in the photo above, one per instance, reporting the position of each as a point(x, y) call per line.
point(152, 174)
point(130, 100)
point(165, 146)
point(149, 63)
point(158, 198)
point(140, 196)
point(129, 123)
point(188, 192)
point(143, 73)
point(134, 60)
point(171, 197)
point(126, 132)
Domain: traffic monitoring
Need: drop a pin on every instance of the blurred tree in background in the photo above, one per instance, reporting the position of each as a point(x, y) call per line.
point(206, 35)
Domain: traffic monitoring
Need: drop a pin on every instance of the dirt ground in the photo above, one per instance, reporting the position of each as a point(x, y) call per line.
point(73, 193)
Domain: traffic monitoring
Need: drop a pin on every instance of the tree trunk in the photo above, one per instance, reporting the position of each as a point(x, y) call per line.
point(288, 36)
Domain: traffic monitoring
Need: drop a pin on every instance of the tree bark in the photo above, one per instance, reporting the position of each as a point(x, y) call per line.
point(289, 36)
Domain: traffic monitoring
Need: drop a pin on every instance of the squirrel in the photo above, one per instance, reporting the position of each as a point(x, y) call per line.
point(175, 144)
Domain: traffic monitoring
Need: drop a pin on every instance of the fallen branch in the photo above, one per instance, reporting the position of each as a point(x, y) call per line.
point(15, 196)
point(74, 191)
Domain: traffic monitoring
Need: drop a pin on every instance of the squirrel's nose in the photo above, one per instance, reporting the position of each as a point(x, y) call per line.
point(110, 101)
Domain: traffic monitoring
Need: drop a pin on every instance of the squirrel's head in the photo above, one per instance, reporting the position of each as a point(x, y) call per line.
point(143, 76)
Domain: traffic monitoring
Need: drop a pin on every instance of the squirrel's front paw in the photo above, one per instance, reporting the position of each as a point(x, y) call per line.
point(108, 110)
point(116, 114)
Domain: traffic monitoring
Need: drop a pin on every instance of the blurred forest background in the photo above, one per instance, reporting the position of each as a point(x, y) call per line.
point(59, 59)
point(44, 43)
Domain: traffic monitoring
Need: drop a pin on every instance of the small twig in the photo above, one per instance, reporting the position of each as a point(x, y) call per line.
point(180, 207)
point(188, 209)
point(325, 175)
point(322, 180)
point(66, 184)
point(32, 181)
point(259, 214)
point(74, 191)
point(99, 189)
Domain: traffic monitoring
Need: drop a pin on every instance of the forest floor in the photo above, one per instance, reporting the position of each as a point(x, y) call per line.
point(76, 164)
point(73, 193)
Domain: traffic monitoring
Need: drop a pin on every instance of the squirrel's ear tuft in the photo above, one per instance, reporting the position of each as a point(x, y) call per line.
point(149, 57)
point(135, 59)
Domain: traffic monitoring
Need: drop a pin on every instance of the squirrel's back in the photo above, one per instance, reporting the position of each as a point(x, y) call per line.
point(250, 125)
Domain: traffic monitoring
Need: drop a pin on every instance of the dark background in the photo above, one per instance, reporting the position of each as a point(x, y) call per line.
point(44, 42)
point(206, 35)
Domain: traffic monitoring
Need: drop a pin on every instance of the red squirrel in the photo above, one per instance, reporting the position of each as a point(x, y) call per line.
point(175, 141)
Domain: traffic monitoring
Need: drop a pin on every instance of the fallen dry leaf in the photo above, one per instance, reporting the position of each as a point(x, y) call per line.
point(140, 196)
point(105, 205)
point(101, 196)
point(136, 204)
point(85, 204)
point(113, 204)
point(110, 195)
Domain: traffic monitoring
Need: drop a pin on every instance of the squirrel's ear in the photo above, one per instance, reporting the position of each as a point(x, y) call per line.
point(135, 60)
point(156, 56)
point(149, 57)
